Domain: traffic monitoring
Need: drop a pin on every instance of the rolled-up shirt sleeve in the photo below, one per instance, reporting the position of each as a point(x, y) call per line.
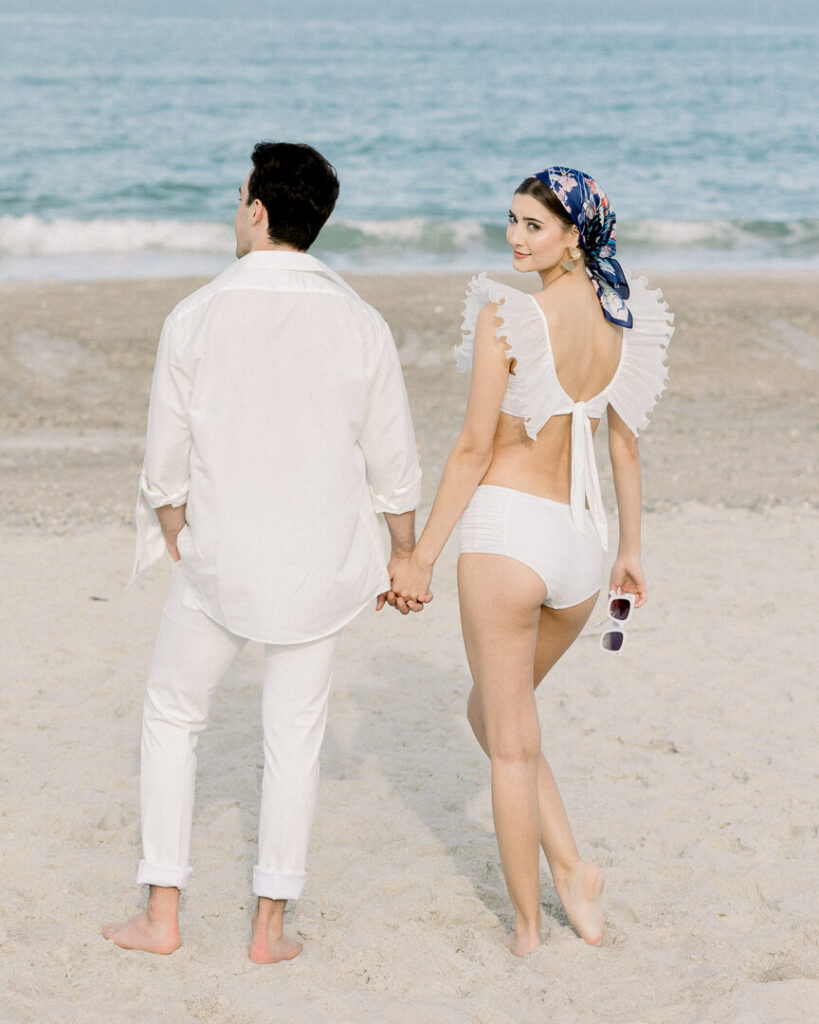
point(387, 438)
point(165, 477)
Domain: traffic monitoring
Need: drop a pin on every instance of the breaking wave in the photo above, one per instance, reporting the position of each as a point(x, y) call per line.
point(68, 248)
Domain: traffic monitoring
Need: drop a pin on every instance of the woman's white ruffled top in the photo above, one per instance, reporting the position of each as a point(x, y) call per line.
point(534, 393)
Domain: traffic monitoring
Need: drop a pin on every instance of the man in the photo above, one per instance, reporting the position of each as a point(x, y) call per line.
point(278, 426)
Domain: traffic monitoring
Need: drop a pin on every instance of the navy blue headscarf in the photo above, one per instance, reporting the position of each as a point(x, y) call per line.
point(588, 206)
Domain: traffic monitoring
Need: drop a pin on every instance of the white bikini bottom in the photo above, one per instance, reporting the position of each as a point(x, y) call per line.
point(540, 533)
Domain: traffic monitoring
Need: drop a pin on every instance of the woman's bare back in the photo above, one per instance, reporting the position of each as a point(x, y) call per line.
point(586, 351)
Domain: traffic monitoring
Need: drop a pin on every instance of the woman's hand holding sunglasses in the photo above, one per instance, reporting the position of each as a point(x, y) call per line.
point(627, 591)
point(627, 577)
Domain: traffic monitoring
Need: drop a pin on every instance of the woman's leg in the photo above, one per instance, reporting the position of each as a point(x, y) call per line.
point(578, 882)
point(500, 611)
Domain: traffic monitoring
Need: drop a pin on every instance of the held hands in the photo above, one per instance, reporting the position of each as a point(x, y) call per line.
point(627, 575)
point(410, 585)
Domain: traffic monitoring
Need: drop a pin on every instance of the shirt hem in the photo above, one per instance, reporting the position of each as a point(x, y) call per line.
point(305, 639)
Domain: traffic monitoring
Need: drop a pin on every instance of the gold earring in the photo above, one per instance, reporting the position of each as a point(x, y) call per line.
point(573, 258)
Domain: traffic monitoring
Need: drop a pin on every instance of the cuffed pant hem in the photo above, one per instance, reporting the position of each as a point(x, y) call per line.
point(274, 885)
point(165, 875)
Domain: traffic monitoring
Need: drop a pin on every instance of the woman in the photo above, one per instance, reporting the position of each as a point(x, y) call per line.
point(533, 529)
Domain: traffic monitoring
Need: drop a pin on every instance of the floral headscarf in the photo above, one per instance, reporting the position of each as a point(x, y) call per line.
point(588, 206)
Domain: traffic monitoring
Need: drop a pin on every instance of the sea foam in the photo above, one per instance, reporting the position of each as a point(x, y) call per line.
point(31, 247)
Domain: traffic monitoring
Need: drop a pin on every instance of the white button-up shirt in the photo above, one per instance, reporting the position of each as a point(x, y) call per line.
point(279, 415)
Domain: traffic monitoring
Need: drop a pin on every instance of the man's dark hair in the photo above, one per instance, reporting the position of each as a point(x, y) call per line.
point(297, 187)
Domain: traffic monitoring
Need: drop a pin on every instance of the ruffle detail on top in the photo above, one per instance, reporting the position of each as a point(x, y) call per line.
point(642, 374)
point(479, 291)
point(532, 390)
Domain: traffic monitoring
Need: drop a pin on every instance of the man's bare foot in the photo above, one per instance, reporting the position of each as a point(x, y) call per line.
point(579, 891)
point(156, 929)
point(153, 935)
point(269, 944)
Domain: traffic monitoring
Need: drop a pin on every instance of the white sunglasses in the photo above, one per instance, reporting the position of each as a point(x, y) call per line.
point(619, 611)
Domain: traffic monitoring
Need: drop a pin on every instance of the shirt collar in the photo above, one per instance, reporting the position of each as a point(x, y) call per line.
point(283, 259)
point(289, 259)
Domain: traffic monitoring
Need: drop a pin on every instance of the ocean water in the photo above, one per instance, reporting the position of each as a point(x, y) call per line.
point(124, 136)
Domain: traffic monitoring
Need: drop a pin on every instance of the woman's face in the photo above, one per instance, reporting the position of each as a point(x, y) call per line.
point(538, 239)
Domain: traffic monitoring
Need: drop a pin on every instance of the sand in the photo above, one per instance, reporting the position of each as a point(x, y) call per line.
point(689, 765)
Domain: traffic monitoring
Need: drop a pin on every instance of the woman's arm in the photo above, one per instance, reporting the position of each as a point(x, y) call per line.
point(627, 573)
point(467, 463)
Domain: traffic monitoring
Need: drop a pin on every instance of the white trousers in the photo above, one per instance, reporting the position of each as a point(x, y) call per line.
point(191, 656)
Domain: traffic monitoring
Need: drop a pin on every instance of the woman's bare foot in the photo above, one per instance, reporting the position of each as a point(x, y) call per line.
point(269, 944)
point(155, 930)
point(524, 938)
point(521, 945)
point(579, 891)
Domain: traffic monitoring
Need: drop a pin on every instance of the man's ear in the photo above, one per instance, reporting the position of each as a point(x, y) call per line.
point(256, 212)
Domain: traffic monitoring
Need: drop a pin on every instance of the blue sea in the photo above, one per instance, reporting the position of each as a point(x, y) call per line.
point(126, 129)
